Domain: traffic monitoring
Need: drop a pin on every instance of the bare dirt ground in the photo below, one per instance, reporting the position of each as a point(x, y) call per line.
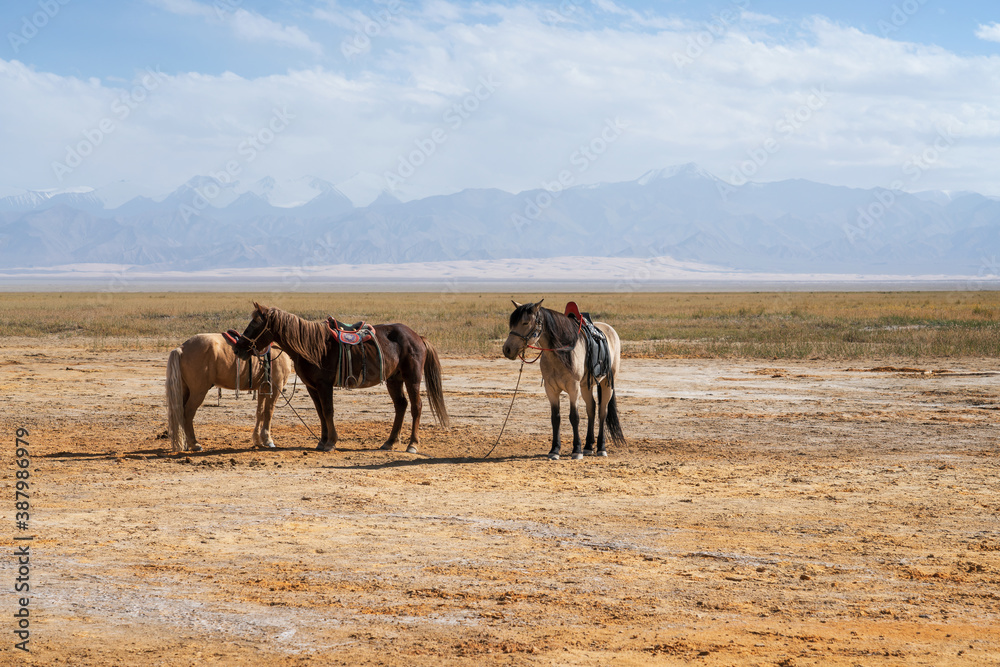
point(790, 513)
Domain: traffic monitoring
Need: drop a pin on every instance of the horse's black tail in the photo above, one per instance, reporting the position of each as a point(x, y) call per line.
point(611, 421)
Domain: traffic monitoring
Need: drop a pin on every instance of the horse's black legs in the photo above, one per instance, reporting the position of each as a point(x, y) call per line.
point(602, 416)
point(574, 421)
point(395, 387)
point(588, 401)
point(556, 446)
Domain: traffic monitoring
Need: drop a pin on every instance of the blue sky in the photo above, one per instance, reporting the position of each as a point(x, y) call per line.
point(434, 97)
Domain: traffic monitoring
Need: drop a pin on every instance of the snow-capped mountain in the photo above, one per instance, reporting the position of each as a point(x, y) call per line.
point(683, 212)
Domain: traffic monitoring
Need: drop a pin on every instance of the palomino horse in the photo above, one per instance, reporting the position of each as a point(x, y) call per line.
point(207, 360)
point(563, 353)
point(401, 356)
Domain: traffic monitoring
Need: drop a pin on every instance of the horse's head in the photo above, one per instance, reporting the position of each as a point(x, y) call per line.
point(525, 328)
point(258, 335)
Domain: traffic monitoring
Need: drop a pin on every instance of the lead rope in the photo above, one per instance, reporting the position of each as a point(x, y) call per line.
point(508, 410)
point(288, 402)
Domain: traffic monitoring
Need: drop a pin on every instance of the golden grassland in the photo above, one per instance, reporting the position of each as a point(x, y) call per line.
point(785, 325)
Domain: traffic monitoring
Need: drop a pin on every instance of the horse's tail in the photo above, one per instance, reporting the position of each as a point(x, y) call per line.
point(175, 402)
point(432, 373)
point(611, 421)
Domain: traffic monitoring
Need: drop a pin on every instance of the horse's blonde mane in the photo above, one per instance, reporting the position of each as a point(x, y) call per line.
point(306, 338)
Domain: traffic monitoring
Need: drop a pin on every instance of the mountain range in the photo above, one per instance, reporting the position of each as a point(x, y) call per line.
point(682, 212)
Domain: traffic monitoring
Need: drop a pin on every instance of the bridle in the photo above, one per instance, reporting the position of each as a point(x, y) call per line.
point(535, 334)
point(253, 341)
point(263, 355)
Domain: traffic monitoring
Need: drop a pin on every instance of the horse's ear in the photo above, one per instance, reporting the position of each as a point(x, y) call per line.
point(259, 308)
point(516, 304)
point(537, 306)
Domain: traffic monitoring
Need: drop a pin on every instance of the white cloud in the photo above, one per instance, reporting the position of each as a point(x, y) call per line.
point(245, 24)
point(762, 19)
point(716, 101)
point(990, 33)
point(254, 27)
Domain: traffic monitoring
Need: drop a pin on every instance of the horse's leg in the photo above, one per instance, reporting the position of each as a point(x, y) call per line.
point(574, 421)
point(395, 387)
point(262, 430)
point(318, 404)
point(591, 405)
point(604, 392)
point(553, 393)
point(413, 391)
point(192, 402)
point(326, 396)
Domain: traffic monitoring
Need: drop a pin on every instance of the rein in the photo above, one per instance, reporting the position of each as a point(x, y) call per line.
point(511, 406)
point(288, 402)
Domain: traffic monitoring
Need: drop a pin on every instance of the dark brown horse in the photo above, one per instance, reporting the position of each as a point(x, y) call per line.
point(401, 358)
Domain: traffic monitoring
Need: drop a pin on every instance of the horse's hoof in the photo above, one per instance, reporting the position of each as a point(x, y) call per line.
point(553, 457)
point(196, 448)
point(577, 456)
point(411, 450)
point(602, 453)
point(320, 446)
point(386, 447)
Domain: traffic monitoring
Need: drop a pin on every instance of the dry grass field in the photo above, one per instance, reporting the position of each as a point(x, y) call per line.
point(808, 479)
point(787, 325)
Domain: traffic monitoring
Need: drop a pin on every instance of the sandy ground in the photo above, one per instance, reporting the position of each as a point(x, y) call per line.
point(813, 513)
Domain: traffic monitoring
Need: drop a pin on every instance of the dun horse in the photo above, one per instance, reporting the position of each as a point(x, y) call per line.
point(563, 353)
point(398, 356)
point(207, 360)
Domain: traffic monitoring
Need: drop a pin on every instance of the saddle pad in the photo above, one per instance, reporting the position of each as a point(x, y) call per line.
point(350, 334)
